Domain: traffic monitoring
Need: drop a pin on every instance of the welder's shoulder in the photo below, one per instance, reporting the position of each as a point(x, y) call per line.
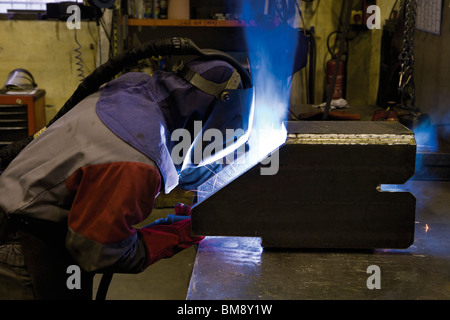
point(127, 80)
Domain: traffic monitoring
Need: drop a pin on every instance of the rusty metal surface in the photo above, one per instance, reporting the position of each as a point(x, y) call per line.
point(326, 193)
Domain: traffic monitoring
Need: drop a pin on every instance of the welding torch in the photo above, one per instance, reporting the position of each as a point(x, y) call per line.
point(171, 218)
point(182, 212)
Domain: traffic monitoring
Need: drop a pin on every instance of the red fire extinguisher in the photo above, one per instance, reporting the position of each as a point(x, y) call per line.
point(340, 85)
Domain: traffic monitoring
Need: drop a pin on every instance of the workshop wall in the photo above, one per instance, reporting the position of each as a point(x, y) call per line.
point(46, 49)
point(364, 61)
point(364, 52)
point(432, 74)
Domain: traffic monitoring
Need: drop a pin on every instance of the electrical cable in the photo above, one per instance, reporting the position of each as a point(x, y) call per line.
point(315, 10)
point(94, 40)
point(102, 22)
point(79, 62)
point(99, 44)
point(103, 286)
point(116, 64)
point(393, 9)
point(312, 67)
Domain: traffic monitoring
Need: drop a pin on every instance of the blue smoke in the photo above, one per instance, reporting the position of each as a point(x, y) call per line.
point(426, 138)
point(427, 141)
point(272, 43)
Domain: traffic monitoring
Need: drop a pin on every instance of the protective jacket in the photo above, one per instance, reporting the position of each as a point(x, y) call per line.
point(99, 168)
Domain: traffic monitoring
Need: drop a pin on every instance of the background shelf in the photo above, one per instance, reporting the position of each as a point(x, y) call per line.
point(186, 23)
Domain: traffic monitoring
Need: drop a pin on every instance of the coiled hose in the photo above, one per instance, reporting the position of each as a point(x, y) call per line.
point(79, 62)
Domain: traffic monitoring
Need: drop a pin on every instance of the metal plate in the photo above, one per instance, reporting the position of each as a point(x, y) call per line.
point(326, 193)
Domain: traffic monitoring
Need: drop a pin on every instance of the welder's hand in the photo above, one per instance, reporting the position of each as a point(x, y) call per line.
point(165, 240)
point(182, 209)
point(185, 229)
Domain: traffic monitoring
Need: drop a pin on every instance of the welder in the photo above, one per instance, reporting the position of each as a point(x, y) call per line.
point(74, 194)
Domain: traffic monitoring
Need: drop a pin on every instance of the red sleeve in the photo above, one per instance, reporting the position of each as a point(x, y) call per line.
point(110, 198)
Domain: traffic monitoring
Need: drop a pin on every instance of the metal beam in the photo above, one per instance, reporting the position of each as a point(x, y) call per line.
point(326, 193)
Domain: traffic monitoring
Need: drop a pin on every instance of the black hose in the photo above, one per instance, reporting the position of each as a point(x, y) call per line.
point(103, 286)
point(115, 65)
point(107, 71)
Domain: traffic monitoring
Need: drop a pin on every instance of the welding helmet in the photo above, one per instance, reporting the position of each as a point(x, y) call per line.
point(231, 109)
point(219, 116)
point(20, 79)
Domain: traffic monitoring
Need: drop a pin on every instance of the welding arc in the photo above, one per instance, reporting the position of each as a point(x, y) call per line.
point(79, 62)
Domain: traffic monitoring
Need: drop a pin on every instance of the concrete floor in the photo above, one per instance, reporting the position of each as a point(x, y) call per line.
point(168, 279)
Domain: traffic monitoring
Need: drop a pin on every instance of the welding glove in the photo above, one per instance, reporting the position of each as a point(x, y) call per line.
point(182, 209)
point(165, 240)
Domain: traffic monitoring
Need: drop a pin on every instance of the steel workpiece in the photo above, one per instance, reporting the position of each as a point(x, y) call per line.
point(328, 191)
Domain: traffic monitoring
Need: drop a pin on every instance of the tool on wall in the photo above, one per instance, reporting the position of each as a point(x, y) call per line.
point(409, 114)
point(339, 88)
point(406, 83)
point(331, 86)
